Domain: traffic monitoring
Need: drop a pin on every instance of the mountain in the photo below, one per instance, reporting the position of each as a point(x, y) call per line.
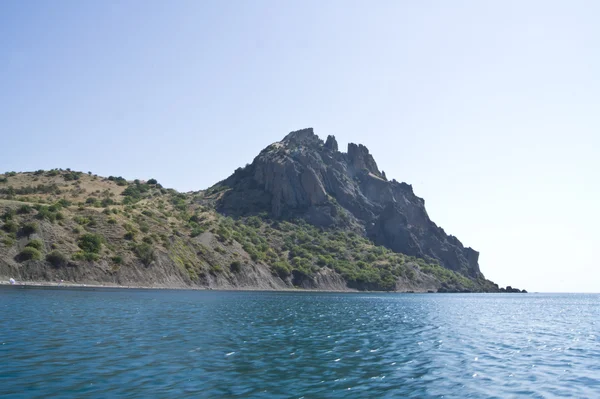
point(302, 215)
point(304, 177)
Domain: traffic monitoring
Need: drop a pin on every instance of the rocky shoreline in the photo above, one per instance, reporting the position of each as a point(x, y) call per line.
point(66, 284)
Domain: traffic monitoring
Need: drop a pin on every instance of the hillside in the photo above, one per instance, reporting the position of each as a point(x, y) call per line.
point(243, 233)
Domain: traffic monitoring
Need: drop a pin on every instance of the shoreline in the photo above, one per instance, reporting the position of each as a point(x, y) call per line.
point(54, 285)
point(47, 284)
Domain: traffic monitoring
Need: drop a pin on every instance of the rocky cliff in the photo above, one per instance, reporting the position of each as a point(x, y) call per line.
point(302, 176)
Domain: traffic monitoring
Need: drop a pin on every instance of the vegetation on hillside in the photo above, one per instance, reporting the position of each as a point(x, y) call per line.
point(63, 217)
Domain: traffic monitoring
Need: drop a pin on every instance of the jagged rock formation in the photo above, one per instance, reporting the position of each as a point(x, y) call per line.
point(302, 176)
point(331, 144)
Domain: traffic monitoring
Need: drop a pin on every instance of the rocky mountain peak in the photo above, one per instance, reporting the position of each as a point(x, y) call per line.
point(303, 177)
point(302, 137)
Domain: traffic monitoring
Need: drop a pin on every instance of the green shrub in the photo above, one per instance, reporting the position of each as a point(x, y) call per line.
point(29, 253)
point(235, 266)
point(135, 191)
point(29, 228)
point(24, 209)
point(302, 265)
point(71, 175)
point(116, 179)
point(223, 234)
point(129, 227)
point(55, 207)
point(56, 258)
point(148, 213)
point(111, 221)
point(44, 213)
point(128, 200)
point(152, 181)
point(255, 256)
point(10, 227)
point(196, 231)
point(82, 220)
point(8, 215)
point(89, 256)
point(215, 269)
point(37, 244)
point(130, 235)
point(196, 218)
point(281, 269)
point(254, 221)
point(90, 242)
point(8, 241)
point(145, 253)
point(64, 203)
point(117, 259)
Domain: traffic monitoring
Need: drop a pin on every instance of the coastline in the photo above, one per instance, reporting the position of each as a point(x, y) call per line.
point(93, 286)
point(65, 284)
point(48, 284)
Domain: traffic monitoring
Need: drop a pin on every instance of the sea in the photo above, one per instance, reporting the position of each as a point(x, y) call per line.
point(130, 343)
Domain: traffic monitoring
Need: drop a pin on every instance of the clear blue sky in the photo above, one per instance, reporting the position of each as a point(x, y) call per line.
point(491, 109)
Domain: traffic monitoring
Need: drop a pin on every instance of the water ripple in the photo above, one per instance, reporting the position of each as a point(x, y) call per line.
point(136, 343)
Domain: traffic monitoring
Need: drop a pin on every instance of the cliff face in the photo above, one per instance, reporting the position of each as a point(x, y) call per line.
point(302, 176)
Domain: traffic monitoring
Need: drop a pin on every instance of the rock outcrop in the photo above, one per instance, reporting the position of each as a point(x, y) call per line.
point(512, 290)
point(331, 144)
point(302, 176)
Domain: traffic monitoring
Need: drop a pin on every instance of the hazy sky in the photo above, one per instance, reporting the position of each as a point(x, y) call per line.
point(490, 109)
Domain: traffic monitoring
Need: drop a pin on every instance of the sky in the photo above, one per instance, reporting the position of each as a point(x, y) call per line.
point(491, 110)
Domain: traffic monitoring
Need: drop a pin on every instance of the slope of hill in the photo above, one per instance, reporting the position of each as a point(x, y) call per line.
point(271, 225)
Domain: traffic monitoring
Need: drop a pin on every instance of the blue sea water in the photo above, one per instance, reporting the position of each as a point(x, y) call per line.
point(101, 343)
